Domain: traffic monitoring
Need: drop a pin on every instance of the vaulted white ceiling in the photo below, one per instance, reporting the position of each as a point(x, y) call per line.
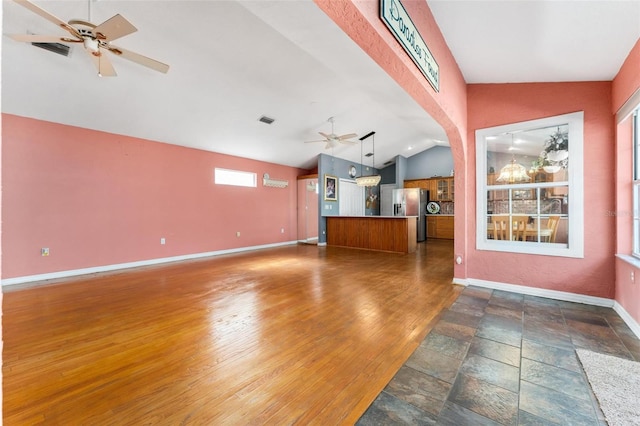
point(538, 40)
point(234, 61)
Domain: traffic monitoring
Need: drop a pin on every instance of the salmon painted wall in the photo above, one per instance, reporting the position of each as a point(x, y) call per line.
point(497, 104)
point(97, 199)
point(627, 81)
point(627, 291)
point(361, 21)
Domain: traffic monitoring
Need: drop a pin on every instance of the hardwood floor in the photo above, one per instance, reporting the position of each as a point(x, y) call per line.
point(298, 334)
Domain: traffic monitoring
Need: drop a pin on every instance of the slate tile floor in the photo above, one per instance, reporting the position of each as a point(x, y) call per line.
point(500, 358)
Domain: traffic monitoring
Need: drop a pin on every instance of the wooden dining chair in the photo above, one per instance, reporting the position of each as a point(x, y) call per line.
point(501, 228)
point(519, 226)
point(552, 226)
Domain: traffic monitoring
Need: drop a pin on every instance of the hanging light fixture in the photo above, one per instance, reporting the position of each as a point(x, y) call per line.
point(513, 172)
point(368, 180)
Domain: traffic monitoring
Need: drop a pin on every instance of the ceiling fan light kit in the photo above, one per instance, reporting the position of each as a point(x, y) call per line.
point(332, 140)
point(96, 39)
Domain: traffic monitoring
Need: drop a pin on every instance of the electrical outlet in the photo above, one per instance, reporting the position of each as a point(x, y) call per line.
point(633, 277)
point(162, 241)
point(44, 251)
point(238, 234)
point(282, 230)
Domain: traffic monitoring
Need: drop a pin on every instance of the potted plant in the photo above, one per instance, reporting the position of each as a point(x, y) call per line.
point(543, 163)
point(556, 148)
point(555, 155)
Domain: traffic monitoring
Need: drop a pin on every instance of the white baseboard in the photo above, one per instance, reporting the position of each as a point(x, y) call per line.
point(633, 325)
point(541, 292)
point(460, 281)
point(557, 295)
point(115, 267)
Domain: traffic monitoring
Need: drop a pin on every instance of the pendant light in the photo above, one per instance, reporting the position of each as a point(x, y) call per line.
point(368, 180)
point(513, 172)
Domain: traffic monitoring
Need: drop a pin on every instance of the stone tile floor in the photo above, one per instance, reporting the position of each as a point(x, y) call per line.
point(500, 358)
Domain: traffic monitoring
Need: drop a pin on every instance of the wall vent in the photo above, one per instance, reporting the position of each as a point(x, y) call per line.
point(59, 48)
point(266, 120)
point(388, 162)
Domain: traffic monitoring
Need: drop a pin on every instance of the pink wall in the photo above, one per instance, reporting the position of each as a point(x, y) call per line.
point(627, 291)
point(361, 21)
point(498, 104)
point(97, 199)
point(628, 79)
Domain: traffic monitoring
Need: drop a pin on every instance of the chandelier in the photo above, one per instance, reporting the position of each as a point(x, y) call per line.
point(368, 180)
point(513, 172)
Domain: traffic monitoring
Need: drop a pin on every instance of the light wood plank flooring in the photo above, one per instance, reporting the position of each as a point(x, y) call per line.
point(299, 334)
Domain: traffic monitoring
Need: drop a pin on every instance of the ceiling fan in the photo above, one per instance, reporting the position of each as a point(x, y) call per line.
point(95, 38)
point(332, 140)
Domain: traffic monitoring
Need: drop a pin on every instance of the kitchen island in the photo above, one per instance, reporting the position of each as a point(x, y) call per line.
point(382, 233)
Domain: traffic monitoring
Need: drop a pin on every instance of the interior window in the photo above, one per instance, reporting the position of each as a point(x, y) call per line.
point(529, 188)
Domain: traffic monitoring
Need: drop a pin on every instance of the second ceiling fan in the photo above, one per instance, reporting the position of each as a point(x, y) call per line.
point(332, 140)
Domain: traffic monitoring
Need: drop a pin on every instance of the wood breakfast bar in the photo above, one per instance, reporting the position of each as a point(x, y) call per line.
point(382, 233)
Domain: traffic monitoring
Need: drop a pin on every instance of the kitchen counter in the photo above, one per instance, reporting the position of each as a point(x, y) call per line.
point(382, 233)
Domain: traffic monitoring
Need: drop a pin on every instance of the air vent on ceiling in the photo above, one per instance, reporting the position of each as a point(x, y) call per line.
point(59, 48)
point(368, 154)
point(266, 120)
point(388, 162)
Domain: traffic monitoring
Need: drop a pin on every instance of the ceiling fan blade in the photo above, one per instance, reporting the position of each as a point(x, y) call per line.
point(35, 38)
point(114, 28)
point(139, 59)
point(348, 142)
point(324, 140)
point(348, 136)
point(103, 64)
point(324, 135)
point(49, 17)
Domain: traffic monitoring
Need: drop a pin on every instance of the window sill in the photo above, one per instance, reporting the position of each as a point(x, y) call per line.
point(631, 260)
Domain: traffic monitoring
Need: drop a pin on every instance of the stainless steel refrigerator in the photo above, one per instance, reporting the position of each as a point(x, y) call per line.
point(412, 202)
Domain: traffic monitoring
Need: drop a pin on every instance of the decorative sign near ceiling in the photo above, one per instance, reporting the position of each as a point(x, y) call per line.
point(396, 18)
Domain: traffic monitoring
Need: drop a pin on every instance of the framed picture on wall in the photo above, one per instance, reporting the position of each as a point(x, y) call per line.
point(330, 188)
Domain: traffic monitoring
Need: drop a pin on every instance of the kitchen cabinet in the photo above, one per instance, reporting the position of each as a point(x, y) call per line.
point(432, 186)
point(559, 176)
point(431, 226)
point(439, 226)
point(496, 194)
point(417, 183)
point(444, 189)
point(440, 189)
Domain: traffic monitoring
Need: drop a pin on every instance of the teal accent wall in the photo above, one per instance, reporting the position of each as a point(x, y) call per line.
point(328, 165)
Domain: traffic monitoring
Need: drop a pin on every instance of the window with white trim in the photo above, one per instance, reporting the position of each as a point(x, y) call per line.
point(235, 178)
point(529, 187)
point(636, 183)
